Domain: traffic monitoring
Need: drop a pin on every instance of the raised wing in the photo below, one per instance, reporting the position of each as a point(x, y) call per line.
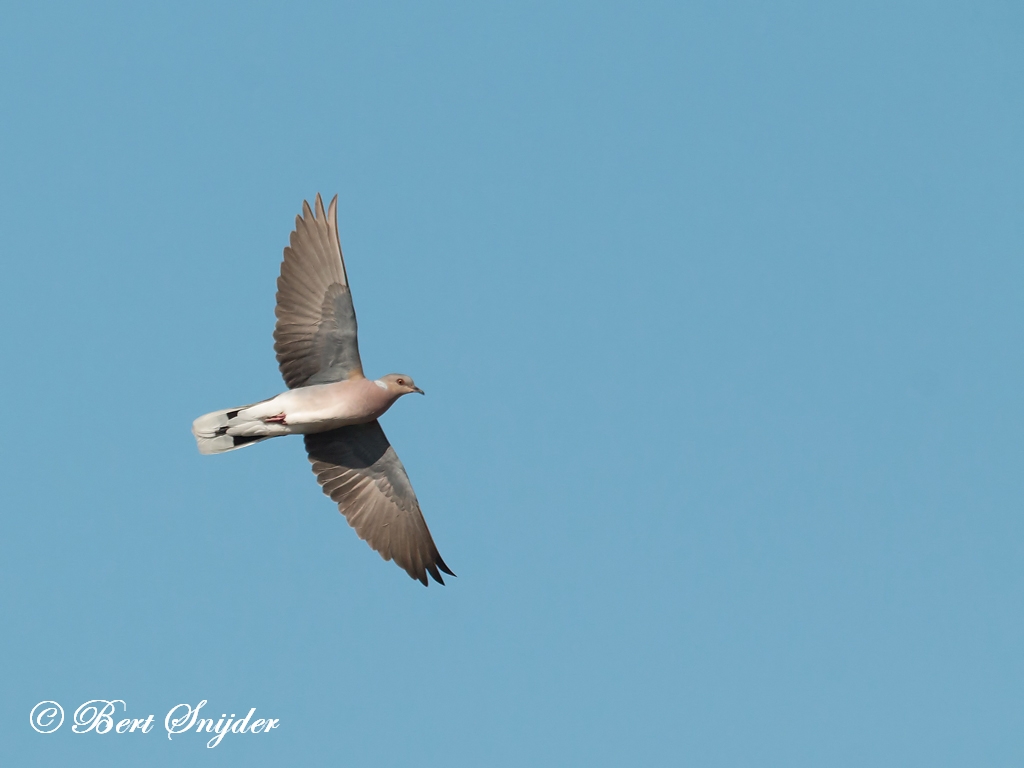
point(315, 337)
point(358, 468)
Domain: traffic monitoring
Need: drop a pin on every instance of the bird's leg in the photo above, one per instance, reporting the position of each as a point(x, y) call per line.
point(278, 419)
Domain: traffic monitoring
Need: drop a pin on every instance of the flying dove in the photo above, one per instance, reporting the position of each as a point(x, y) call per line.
point(331, 403)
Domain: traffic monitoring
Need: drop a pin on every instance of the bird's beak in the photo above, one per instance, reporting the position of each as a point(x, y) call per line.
point(417, 389)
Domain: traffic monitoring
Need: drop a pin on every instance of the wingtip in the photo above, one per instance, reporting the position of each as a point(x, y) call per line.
point(432, 568)
point(320, 207)
point(441, 564)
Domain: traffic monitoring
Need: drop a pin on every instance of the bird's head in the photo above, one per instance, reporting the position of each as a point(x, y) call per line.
point(400, 384)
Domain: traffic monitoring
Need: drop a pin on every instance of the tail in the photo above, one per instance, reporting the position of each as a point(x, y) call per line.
point(226, 430)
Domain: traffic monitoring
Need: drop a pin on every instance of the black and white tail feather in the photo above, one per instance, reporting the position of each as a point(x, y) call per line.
point(228, 430)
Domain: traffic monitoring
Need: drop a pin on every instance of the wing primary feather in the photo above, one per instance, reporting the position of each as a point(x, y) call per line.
point(332, 222)
point(442, 566)
point(434, 573)
point(324, 253)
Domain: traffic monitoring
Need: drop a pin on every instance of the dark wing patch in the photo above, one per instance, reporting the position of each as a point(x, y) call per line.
point(316, 336)
point(358, 469)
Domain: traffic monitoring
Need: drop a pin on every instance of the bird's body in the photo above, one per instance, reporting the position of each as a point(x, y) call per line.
point(320, 407)
point(301, 411)
point(332, 403)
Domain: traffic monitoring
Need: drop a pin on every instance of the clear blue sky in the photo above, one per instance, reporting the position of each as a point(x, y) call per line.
point(720, 314)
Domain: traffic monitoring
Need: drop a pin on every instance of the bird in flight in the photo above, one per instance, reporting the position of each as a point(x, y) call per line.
point(331, 403)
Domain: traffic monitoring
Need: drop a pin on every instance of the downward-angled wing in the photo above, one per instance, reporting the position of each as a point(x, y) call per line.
point(359, 469)
point(315, 337)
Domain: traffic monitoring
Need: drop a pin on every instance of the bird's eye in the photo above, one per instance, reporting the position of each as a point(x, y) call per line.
point(401, 381)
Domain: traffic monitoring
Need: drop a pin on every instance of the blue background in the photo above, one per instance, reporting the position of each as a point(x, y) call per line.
point(718, 309)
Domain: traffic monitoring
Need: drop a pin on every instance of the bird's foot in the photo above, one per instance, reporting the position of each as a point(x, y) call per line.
point(278, 419)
